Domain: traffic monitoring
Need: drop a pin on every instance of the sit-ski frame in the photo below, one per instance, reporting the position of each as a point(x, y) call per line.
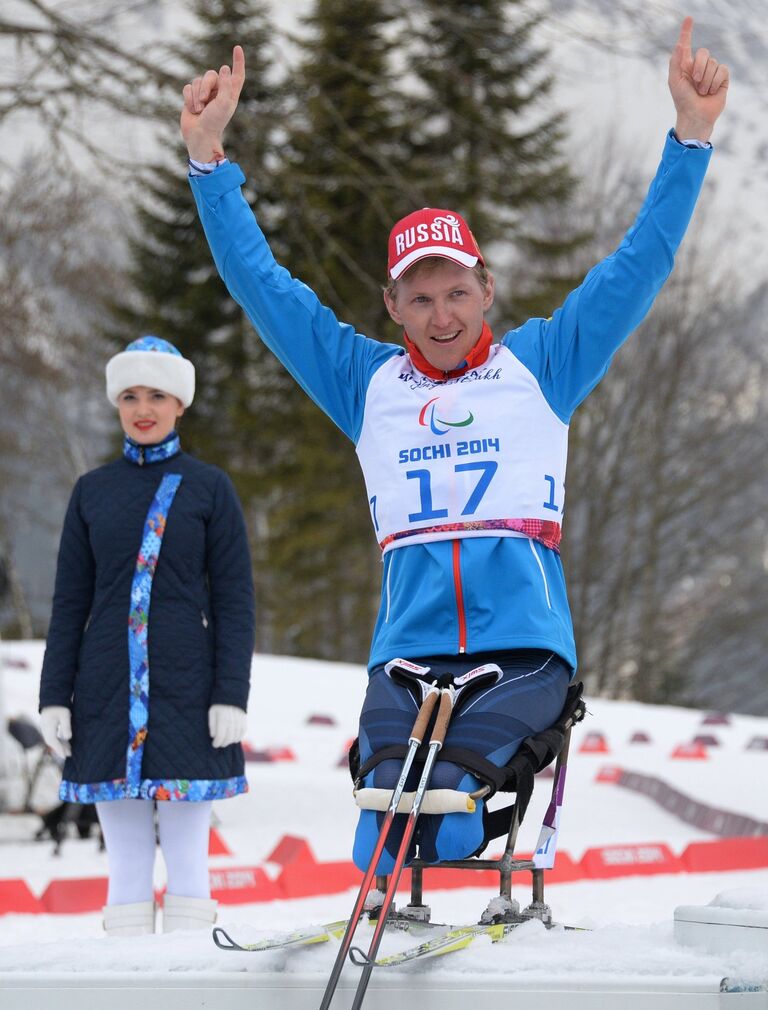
point(506, 864)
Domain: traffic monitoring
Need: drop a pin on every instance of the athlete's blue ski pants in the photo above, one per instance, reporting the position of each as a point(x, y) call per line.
point(492, 723)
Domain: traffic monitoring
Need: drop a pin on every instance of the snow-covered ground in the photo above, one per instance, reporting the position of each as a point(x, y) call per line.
point(630, 917)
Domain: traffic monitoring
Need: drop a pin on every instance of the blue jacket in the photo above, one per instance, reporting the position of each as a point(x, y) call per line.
point(200, 631)
point(496, 593)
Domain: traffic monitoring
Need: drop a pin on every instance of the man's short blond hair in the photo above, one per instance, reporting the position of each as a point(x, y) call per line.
point(430, 264)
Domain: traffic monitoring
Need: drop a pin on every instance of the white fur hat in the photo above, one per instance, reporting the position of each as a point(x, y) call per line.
point(153, 362)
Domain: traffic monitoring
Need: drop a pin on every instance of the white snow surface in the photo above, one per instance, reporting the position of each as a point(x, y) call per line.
point(629, 920)
point(754, 899)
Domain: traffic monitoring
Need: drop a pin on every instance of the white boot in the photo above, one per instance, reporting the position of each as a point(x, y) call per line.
point(134, 919)
point(187, 913)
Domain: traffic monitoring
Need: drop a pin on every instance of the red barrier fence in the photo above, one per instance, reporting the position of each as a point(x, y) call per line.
point(15, 896)
point(76, 894)
point(243, 885)
point(628, 860)
point(726, 853)
point(301, 876)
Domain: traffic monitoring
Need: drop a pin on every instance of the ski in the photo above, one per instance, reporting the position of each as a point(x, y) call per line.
point(454, 939)
point(296, 938)
point(313, 934)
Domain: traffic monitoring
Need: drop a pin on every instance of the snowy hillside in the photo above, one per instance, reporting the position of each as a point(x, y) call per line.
point(310, 797)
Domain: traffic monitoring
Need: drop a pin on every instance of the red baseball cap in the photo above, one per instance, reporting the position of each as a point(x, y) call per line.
point(431, 232)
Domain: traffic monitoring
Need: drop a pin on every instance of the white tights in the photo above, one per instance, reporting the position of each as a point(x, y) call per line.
point(128, 827)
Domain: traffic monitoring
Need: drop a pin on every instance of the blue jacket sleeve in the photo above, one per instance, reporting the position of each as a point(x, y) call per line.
point(72, 601)
point(571, 352)
point(331, 362)
point(230, 585)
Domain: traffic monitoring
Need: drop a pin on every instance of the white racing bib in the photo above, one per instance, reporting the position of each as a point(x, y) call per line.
point(480, 455)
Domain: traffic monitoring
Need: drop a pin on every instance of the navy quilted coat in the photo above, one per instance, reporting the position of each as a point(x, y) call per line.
point(200, 632)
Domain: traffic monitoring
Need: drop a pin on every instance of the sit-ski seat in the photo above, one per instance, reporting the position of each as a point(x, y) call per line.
point(534, 754)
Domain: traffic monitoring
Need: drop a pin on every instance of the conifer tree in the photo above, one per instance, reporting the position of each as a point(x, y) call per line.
point(359, 146)
point(319, 196)
point(235, 420)
point(181, 296)
point(396, 107)
point(346, 176)
point(342, 186)
point(484, 141)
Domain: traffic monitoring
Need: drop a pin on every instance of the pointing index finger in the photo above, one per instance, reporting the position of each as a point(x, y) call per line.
point(686, 36)
point(238, 65)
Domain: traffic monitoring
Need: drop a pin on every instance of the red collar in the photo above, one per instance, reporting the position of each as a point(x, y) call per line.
point(476, 356)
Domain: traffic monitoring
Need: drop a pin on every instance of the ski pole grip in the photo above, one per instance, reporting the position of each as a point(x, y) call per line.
point(425, 714)
point(443, 717)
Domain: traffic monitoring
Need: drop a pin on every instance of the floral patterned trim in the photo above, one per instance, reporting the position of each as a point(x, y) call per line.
point(138, 624)
point(545, 531)
point(142, 454)
point(173, 790)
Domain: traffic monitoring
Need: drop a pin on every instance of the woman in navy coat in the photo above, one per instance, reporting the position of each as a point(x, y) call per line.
point(145, 679)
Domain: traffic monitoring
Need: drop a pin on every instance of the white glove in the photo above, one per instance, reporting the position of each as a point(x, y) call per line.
point(226, 724)
point(56, 727)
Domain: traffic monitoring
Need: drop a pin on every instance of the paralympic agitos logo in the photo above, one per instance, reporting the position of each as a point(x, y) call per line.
point(428, 419)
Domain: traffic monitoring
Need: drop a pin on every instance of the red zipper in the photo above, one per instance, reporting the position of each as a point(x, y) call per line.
point(459, 596)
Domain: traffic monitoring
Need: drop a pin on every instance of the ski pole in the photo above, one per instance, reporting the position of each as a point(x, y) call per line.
point(414, 742)
point(435, 743)
point(546, 846)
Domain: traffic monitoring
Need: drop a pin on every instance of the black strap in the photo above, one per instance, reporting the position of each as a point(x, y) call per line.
point(533, 755)
point(358, 771)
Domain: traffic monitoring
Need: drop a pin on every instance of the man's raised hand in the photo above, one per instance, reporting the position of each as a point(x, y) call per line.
point(209, 104)
point(699, 86)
